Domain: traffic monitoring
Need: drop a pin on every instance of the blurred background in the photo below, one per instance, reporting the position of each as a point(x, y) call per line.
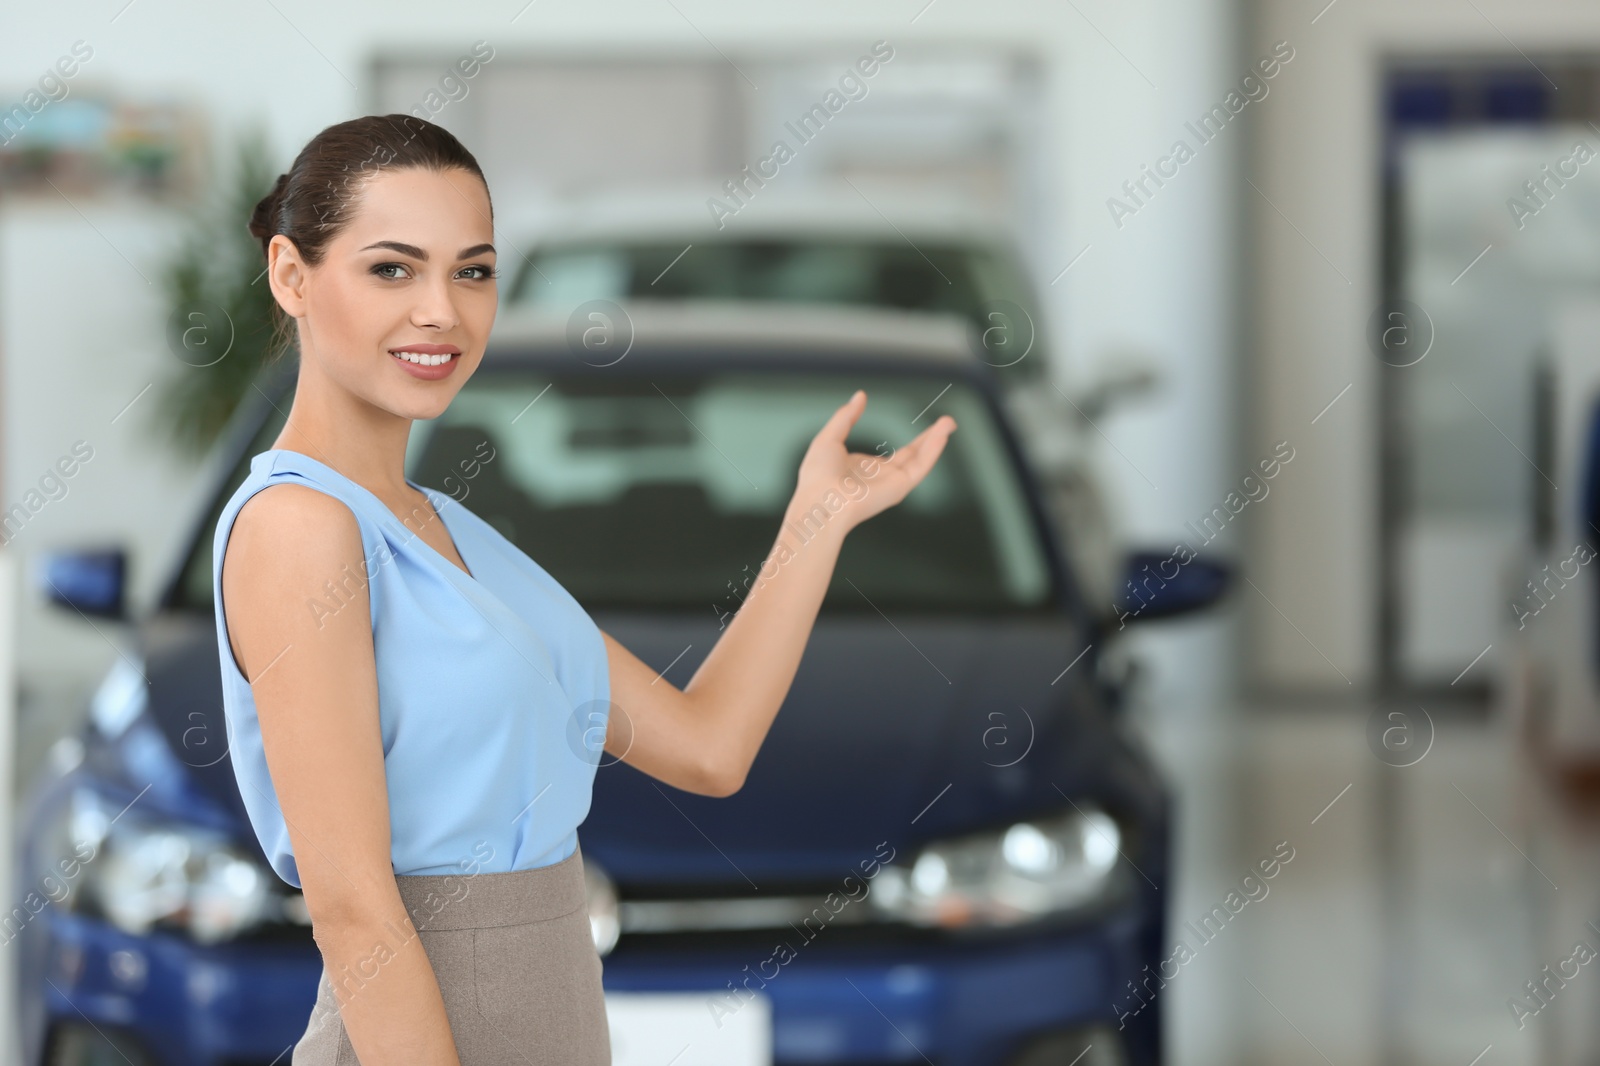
point(1310, 287)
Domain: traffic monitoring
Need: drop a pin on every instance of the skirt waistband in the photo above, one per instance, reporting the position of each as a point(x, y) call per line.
point(484, 900)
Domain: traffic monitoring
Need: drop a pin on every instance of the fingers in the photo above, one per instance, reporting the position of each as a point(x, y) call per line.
point(937, 433)
point(917, 457)
point(839, 424)
point(930, 445)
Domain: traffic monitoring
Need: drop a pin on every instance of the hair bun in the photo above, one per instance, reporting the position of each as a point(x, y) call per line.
point(263, 220)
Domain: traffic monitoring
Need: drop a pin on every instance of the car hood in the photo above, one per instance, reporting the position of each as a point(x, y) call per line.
point(893, 731)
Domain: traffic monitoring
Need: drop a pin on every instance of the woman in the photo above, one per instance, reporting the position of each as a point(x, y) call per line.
point(399, 678)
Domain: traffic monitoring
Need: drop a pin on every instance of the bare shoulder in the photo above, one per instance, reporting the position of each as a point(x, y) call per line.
point(294, 533)
point(289, 506)
point(287, 542)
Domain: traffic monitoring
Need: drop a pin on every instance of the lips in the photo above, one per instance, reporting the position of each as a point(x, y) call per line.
point(428, 349)
point(426, 354)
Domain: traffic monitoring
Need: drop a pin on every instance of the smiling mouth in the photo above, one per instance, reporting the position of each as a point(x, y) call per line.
point(425, 359)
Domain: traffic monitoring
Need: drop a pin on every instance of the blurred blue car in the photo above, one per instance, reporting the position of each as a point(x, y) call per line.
point(948, 850)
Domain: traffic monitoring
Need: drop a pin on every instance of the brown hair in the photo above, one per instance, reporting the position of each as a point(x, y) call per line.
point(315, 198)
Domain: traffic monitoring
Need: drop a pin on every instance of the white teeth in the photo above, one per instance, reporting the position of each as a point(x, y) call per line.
point(423, 360)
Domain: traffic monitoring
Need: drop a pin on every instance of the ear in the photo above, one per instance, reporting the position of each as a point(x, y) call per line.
point(287, 275)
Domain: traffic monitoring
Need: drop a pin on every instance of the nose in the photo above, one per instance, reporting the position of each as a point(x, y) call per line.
point(435, 307)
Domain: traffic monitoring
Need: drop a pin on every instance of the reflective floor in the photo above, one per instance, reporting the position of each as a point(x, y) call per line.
point(1419, 903)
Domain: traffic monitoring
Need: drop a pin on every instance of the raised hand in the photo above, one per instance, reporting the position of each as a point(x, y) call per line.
point(705, 737)
point(861, 484)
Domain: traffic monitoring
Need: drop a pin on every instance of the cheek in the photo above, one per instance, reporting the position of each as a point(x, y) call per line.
point(478, 308)
point(356, 312)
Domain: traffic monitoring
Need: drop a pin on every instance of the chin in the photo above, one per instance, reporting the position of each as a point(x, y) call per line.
point(433, 408)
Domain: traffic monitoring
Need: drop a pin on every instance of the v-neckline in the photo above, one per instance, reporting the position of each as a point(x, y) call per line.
point(455, 541)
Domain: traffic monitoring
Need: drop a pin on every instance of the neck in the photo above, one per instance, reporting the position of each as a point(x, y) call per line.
point(362, 441)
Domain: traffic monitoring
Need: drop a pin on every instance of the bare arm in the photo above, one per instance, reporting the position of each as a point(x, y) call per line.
point(704, 737)
point(316, 693)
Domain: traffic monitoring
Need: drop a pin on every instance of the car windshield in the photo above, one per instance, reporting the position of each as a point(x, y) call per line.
point(669, 493)
point(934, 277)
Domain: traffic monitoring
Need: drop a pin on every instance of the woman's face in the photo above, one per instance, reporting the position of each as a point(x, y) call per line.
point(413, 268)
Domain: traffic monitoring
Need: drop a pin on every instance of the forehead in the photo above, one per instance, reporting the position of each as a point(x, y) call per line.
point(434, 210)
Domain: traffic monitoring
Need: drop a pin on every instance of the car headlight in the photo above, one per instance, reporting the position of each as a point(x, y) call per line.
point(121, 697)
point(1026, 871)
point(604, 923)
point(140, 872)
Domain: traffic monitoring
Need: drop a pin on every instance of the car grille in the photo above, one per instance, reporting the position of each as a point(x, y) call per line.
point(707, 915)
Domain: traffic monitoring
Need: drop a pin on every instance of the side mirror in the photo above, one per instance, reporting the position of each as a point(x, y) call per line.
point(1120, 377)
point(93, 582)
point(1160, 585)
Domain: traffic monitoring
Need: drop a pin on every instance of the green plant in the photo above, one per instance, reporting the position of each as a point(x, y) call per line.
point(219, 320)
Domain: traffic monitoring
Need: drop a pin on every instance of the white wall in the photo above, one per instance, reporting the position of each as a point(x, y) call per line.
point(82, 333)
point(1125, 77)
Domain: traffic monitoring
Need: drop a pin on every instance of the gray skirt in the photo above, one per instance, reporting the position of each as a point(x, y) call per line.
point(516, 964)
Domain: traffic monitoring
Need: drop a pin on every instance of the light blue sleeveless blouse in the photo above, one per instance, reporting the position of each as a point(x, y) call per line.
point(493, 690)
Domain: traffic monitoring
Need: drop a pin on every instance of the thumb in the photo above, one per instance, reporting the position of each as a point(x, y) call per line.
point(839, 424)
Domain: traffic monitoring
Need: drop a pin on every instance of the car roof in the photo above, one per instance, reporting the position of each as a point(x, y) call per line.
point(753, 332)
point(682, 213)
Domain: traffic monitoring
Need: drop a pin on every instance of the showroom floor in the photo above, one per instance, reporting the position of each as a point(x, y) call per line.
point(1419, 901)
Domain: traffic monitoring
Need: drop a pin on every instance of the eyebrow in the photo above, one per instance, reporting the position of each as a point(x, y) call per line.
point(417, 253)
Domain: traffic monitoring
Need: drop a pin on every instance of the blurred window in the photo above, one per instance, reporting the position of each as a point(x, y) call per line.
point(929, 277)
point(668, 493)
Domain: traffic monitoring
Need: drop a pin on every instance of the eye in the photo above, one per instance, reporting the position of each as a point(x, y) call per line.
point(486, 273)
point(381, 267)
